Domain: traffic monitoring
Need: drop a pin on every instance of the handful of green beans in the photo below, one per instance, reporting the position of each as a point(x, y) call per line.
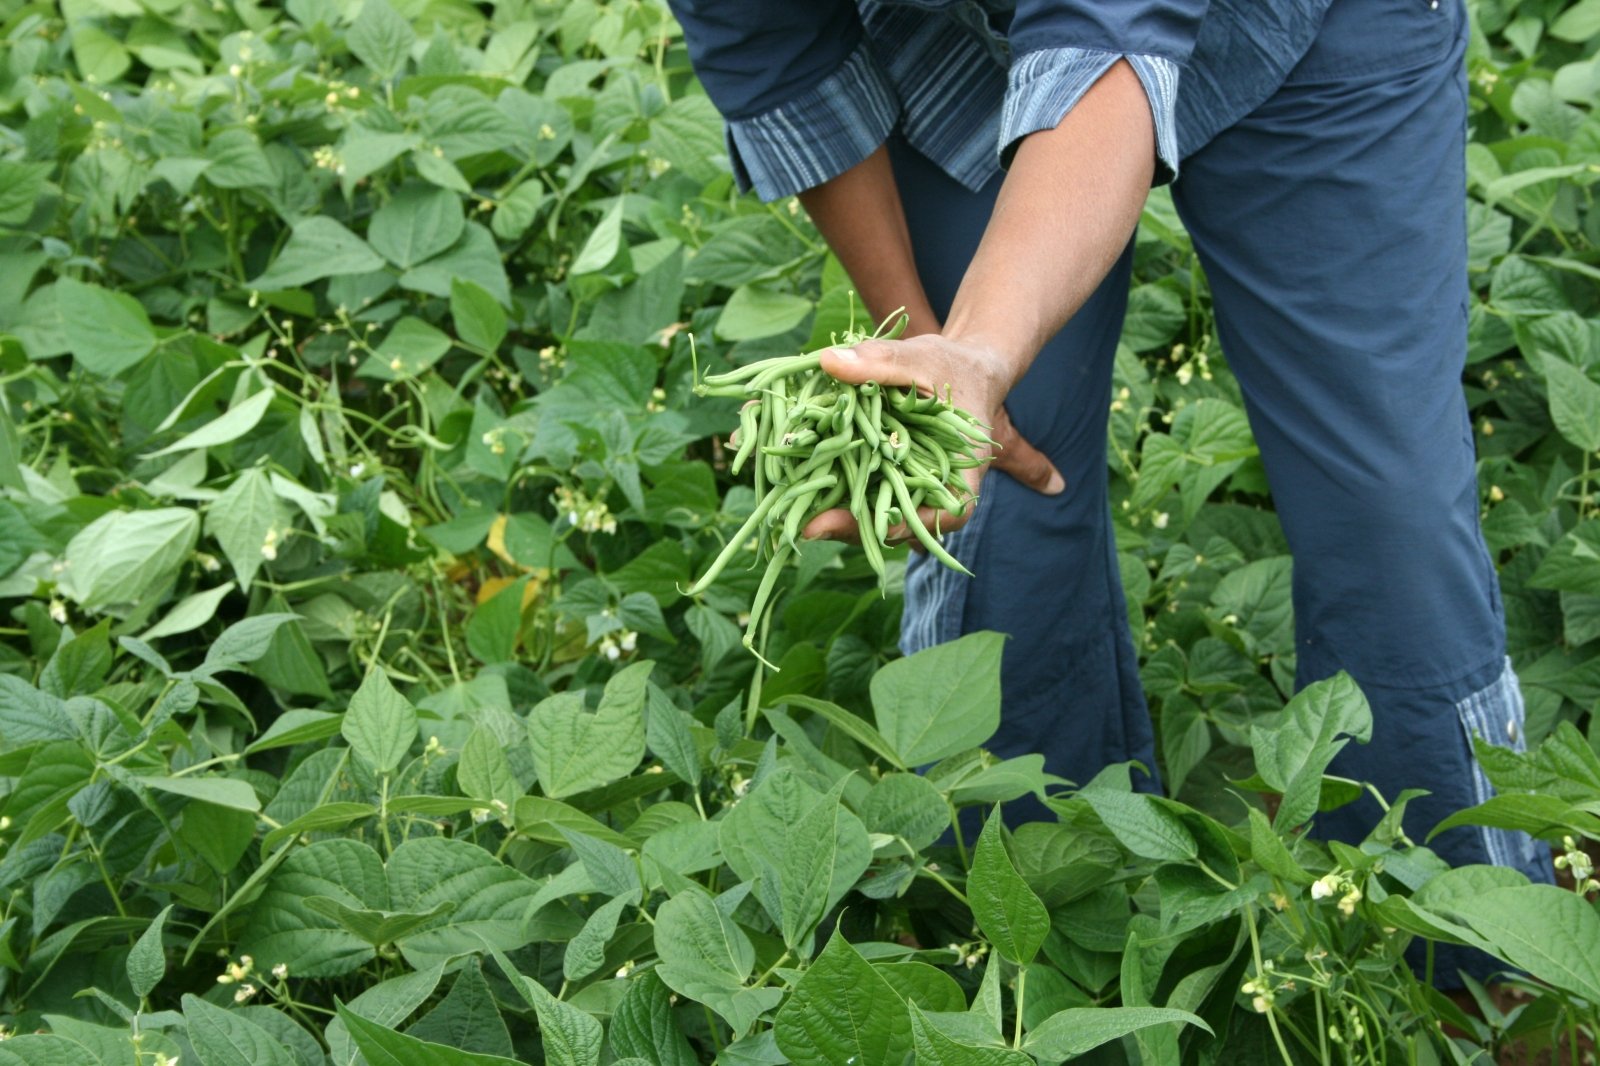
point(817, 443)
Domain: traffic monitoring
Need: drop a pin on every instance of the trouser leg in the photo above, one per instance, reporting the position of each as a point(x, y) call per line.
point(1046, 569)
point(1331, 226)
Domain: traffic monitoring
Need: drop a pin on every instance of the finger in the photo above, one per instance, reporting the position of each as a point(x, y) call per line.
point(837, 524)
point(1023, 461)
point(885, 362)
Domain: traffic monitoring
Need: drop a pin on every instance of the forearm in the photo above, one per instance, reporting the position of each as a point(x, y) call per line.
point(860, 215)
point(1065, 212)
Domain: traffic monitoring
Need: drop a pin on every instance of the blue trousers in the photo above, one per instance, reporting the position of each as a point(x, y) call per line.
point(1331, 225)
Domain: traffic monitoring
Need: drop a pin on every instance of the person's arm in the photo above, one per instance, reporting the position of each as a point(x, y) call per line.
point(1065, 213)
point(860, 215)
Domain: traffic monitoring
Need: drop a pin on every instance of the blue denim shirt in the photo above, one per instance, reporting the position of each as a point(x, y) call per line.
point(809, 89)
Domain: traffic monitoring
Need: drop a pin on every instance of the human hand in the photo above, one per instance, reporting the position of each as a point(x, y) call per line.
point(976, 380)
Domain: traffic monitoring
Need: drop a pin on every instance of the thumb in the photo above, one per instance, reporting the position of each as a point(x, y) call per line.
point(1023, 461)
point(885, 362)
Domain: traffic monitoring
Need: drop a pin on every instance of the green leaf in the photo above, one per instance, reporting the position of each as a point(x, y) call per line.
point(324, 816)
point(147, 960)
point(242, 519)
point(753, 312)
point(381, 38)
point(602, 245)
point(668, 735)
point(36, 1049)
point(491, 898)
point(1142, 825)
point(1271, 854)
point(1574, 402)
point(571, 1037)
point(410, 347)
point(1292, 755)
point(124, 556)
point(386, 1004)
point(906, 806)
point(1081, 1029)
point(243, 642)
point(101, 57)
point(484, 772)
point(296, 726)
point(587, 951)
point(809, 859)
point(480, 320)
point(1007, 911)
point(224, 1038)
point(935, 1049)
point(378, 927)
point(319, 247)
point(381, 724)
point(222, 791)
point(282, 929)
point(643, 1024)
point(1573, 563)
point(382, 1046)
point(189, 613)
point(1579, 23)
point(238, 420)
point(850, 724)
point(106, 331)
point(417, 223)
point(940, 701)
point(842, 1011)
point(468, 1018)
point(1539, 815)
point(1550, 932)
point(575, 750)
point(700, 946)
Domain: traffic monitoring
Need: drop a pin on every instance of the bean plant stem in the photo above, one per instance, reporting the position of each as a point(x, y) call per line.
point(1255, 954)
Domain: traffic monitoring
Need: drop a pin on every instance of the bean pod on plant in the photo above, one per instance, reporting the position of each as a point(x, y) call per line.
point(816, 443)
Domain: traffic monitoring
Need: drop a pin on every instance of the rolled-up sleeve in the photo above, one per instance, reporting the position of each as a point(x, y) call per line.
point(802, 96)
point(1060, 49)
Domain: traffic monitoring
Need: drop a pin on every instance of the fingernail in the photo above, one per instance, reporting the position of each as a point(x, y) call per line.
point(1056, 485)
point(847, 355)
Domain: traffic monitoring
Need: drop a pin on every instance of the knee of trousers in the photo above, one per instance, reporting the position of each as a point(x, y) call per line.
point(1395, 584)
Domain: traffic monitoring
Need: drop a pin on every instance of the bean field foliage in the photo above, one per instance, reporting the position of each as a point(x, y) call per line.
point(357, 703)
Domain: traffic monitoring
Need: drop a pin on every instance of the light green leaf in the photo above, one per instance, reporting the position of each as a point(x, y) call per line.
point(411, 347)
point(124, 556)
point(386, 1004)
point(1271, 854)
point(491, 898)
point(1292, 755)
point(1574, 402)
point(1573, 563)
point(480, 320)
point(381, 38)
point(940, 701)
point(225, 1038)
point(1550, 932)
point(700, 946)
point(907, 806)
point(106, 331)
point(571, 1036)
point(753, 312)
point(668, 736)
point(850, 724)
point(43, 1049)
point(842, 1011)
point(602, 245)
point(1579, 23)
point(484, 772)
point(229, 426)
point(417, 223)
point(243, 518)
point(189, 613)
point(1080, 1029)
point(319, 247)
point(587, 951)
point(222, 791)
point(147, 960)
point(380, 724)
point(575, 750)
point(1010, 915)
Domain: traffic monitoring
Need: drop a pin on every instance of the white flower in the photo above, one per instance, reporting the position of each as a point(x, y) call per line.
point(281, 971)
point(630, 640)
point(1160, 520)
point(58, 612)
point(1325, 886)
point(245, 993)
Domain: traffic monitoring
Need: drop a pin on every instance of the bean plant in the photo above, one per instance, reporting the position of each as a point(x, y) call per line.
point(352, 706)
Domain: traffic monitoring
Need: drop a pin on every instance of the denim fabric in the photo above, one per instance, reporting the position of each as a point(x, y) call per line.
point(786, 76)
